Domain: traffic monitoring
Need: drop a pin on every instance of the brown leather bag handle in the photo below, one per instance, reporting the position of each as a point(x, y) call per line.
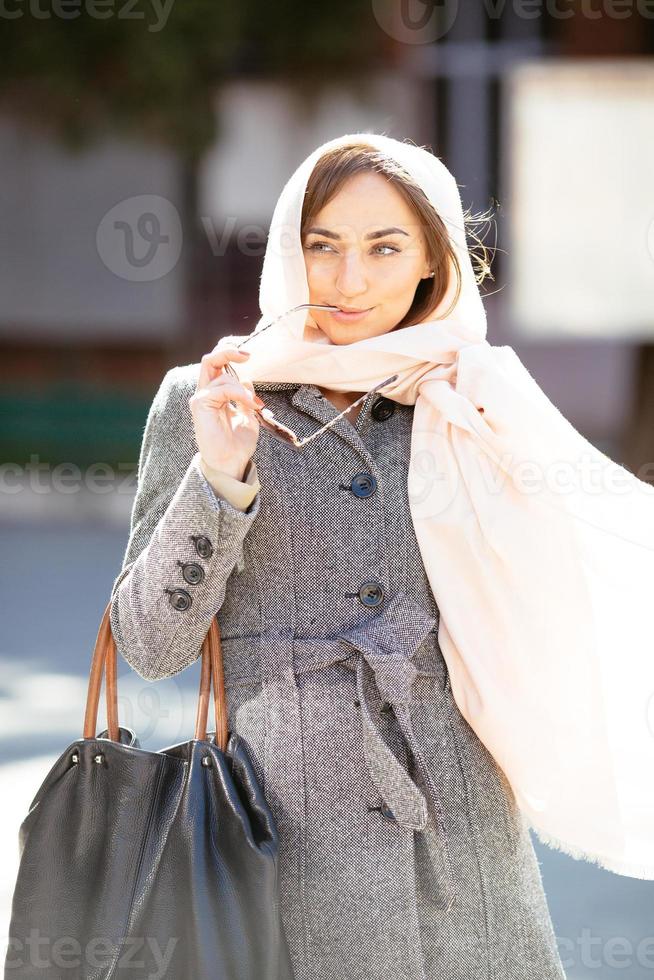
point(104, 661)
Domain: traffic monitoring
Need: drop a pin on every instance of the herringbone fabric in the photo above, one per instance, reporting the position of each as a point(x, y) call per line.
point(402, 853)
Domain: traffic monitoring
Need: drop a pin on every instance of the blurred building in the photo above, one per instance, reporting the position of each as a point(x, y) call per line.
point(117, 262)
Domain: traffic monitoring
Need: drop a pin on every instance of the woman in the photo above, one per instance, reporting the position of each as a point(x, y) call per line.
point(403, 852)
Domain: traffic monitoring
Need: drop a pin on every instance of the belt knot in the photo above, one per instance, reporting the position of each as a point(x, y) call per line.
point(384, 669)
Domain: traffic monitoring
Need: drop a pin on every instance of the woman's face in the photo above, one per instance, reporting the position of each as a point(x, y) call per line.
point(351, 265)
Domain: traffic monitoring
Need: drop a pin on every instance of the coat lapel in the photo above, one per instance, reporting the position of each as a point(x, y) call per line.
point(307, 399)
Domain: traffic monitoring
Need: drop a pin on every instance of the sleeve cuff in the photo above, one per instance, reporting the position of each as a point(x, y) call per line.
point(239, 493)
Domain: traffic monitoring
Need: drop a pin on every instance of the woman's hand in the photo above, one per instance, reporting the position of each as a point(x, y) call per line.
point(226, 437)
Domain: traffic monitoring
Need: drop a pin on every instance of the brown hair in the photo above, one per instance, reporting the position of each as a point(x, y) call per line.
point(329, 174)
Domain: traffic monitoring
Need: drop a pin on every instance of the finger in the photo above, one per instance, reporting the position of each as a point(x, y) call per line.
point(218, 395)
point(227, 379)
point(212, 364)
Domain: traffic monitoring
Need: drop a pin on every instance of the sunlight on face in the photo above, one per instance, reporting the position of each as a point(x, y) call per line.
point(347, 268)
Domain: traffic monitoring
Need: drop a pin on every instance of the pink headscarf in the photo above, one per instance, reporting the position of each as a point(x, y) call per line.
point(538, 548)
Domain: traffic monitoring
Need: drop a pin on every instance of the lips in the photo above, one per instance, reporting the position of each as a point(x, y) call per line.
point(345, 316)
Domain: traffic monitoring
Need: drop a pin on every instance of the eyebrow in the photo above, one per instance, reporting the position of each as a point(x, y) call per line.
point(373, 234)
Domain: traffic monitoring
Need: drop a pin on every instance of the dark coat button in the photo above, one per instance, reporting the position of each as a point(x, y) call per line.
point(371, 594)
point(203, 545)
point(383, 408)
point(363, 484)
point(193, 573)
point(384, 810)
point(179, 599)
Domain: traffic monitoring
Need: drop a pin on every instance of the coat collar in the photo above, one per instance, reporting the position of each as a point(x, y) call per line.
point(276, 385)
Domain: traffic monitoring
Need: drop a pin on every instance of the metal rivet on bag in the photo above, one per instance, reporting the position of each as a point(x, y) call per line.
point(98, 758)
point(206, 760)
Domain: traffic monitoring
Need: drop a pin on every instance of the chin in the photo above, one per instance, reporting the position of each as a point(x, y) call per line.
point(349, 334)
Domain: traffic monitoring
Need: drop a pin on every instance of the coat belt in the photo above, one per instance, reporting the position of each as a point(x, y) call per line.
point(381, 652)
point(382, 658)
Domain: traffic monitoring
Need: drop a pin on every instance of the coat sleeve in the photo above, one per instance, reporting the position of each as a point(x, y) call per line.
point(177, 519)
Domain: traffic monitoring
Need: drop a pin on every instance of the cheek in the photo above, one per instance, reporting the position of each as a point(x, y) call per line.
point(409, 267)
point(317, 273)
point(398, 279)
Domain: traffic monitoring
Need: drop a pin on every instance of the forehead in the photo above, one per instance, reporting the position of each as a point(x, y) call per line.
point(367, 201)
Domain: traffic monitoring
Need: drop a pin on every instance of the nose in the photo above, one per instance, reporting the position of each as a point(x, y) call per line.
point(351, 279)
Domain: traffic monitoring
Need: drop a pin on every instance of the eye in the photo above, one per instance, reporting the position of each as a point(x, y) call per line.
point(318, 247)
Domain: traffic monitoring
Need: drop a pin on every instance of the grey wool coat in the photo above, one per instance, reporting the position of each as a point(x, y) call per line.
point(403, 855)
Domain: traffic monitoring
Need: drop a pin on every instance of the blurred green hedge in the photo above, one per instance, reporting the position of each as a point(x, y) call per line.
point(75, 423)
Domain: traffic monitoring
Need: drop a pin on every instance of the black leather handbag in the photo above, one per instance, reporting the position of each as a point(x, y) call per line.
point(140, 864)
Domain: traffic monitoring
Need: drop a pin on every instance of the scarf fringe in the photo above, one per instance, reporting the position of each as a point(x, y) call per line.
point(628, 868)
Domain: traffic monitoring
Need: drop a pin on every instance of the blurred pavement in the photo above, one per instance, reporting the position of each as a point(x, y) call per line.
point(55, 579)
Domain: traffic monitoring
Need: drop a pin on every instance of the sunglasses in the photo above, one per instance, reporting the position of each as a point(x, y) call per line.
point(264, 415)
